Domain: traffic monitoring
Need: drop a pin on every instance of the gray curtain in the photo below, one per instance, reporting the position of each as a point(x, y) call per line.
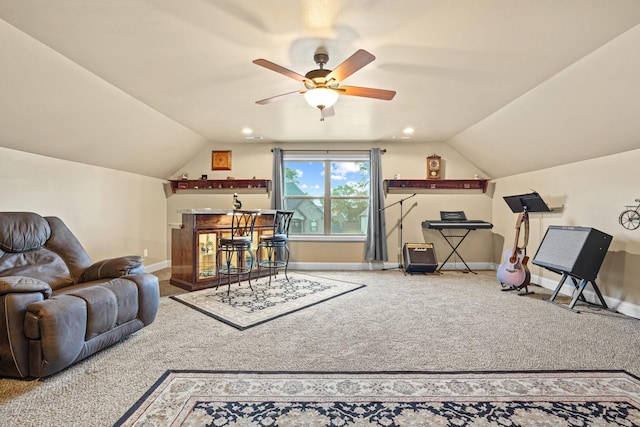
point(277, 180)
point(376, 245)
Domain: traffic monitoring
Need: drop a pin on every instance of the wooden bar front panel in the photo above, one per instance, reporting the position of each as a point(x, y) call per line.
point(185, 246)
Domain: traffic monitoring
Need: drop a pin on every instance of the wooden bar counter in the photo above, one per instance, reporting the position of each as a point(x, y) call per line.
point(194, 245)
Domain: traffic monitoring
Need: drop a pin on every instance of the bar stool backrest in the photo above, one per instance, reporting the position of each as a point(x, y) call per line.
point(242, 224)
point(281, 222)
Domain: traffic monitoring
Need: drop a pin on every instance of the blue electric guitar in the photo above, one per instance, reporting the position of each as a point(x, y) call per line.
point(513, 272)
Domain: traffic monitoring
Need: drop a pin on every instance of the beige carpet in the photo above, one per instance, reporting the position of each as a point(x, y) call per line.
point(447, 322)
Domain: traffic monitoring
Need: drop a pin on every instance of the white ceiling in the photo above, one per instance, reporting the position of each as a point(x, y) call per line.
point(143, 86)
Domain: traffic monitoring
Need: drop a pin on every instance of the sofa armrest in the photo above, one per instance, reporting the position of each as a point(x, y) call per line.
point(148, 294)
point(113, 268)
point(56, 330)
point(23, 285)
point(16, 294)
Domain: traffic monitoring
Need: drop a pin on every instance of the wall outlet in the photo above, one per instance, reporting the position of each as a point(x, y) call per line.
point(145, 252)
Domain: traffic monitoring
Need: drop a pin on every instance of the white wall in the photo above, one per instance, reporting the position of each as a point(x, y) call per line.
point(112, 213)
point(590, 193)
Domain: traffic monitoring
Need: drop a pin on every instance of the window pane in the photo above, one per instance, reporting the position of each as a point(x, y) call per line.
point(304, 178)
point(349, 178)
point(349, 216)
point(308, 217)
point(322, 189)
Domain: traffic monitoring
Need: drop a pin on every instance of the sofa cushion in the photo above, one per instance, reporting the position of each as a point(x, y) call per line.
point(23, 231)
point(108, 303)
point(101, 309)
point(41, 264)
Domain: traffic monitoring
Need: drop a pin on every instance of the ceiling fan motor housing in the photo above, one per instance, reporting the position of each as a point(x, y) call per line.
point(318, 77)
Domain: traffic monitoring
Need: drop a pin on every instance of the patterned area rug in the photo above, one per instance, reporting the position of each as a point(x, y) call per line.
point(233, 399)
point(244, 308)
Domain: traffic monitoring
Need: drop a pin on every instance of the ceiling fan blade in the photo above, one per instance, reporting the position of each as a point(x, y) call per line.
point(351, 65)
point(278, 97)
point(386, 95)
point(279, 69)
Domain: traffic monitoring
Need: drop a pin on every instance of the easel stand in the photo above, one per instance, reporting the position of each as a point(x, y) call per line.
point(579, 287)
point(399, 202)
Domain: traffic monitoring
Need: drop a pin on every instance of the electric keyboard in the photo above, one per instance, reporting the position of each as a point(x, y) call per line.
point(458, 225)
point(455, 224)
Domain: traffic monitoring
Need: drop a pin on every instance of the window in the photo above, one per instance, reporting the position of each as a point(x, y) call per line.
point(329, 194)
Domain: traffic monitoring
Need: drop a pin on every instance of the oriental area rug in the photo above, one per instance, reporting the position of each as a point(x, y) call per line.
point(244, 308)
point(537, 398)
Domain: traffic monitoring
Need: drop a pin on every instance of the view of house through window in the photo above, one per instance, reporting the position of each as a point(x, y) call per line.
point(329, 194)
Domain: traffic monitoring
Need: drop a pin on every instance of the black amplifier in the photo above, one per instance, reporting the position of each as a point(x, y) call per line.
point(419, 258)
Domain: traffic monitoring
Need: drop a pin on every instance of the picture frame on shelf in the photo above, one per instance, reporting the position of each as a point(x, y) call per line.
point(221, 160)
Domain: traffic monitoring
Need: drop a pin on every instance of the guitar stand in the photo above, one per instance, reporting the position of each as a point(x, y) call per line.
point(526, 203)
point(454, 249)
point(579, 287)
point(519, 288)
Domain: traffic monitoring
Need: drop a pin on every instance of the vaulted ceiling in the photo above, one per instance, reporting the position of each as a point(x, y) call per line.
point(144, 85)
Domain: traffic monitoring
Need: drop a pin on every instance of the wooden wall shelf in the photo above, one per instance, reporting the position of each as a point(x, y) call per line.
point(410, 185)
point(254, 185)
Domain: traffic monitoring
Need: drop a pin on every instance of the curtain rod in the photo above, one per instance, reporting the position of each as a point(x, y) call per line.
point(383, 150)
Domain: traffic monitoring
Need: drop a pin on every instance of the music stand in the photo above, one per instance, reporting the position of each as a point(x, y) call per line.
point(530, 202)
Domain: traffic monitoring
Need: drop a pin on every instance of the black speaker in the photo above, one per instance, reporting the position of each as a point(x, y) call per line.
point(419, 258)
point(578, 251)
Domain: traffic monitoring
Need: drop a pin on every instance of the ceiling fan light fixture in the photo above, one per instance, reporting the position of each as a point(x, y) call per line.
point(321, 97)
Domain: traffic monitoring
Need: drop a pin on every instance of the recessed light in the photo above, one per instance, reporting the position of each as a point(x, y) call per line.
point(408, 130)
point(247, 131)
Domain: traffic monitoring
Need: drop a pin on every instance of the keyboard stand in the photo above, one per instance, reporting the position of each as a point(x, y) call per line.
point(454, 249)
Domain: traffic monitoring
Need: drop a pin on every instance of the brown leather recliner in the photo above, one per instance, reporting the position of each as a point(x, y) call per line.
point(57, 307)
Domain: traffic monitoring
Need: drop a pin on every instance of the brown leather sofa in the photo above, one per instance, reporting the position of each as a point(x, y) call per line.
point(57, 307)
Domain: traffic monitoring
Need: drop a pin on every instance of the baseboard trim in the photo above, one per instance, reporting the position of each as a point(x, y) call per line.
point(150, 268)
point(372, 266)
point(345, 266)
point(567, 289)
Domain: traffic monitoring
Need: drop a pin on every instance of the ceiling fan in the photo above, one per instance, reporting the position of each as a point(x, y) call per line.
point(322, 87)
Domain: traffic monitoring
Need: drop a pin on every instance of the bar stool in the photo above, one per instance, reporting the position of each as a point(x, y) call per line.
point(275, 245)
point(236, 248)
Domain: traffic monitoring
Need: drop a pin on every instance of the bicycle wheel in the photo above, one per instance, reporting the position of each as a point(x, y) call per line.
point(630, 219)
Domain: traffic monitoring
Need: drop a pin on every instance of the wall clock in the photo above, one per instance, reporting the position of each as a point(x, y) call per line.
point(434, 167)
point(221, 160)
